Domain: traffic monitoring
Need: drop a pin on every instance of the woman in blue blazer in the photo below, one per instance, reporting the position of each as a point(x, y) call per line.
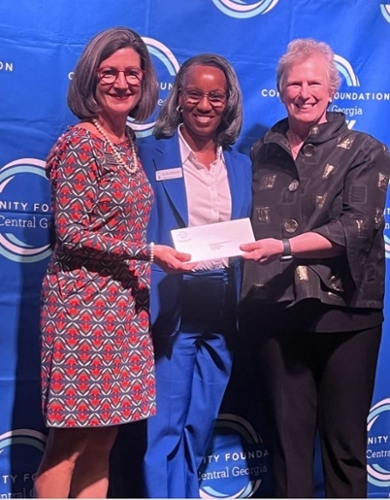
point(197, 179)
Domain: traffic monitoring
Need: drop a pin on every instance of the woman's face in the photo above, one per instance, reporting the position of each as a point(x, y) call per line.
point(203, 101)
point(305, 92)
point(119, 85)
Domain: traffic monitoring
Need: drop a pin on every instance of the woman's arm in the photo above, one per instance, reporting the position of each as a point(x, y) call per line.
point(308, 245)
point(353, 231)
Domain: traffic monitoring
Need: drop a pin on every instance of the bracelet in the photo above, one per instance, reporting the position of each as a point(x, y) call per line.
point(151, 252)
point(286, 255)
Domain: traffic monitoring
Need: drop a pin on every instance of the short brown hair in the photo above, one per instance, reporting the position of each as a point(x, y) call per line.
point(81, 94)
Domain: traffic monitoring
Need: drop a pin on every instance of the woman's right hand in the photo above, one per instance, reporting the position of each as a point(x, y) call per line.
point(262, 251)
point(172, 261)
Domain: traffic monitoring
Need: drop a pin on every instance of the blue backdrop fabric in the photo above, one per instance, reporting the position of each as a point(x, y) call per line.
point(40, 42)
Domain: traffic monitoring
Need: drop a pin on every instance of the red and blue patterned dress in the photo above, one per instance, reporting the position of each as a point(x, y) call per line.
point(97, 355)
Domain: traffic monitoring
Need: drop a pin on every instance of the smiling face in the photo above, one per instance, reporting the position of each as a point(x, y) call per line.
point(201, 119)
point(306, 93)
point(118, 98)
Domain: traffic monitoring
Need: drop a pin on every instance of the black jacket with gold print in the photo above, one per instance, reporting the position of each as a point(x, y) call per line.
point(336, 187)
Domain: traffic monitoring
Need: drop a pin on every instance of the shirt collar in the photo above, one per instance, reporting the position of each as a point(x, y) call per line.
point(186, 152)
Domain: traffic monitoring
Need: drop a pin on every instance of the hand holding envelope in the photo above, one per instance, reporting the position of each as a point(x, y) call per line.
point(171, 260)
point(213, 241)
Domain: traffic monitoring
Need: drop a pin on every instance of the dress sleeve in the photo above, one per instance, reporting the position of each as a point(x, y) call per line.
point(363, 201)
point(74, 173)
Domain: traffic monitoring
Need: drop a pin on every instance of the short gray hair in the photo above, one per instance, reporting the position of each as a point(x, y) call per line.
point(170, 116)
point(81, 94)
point(301, 49)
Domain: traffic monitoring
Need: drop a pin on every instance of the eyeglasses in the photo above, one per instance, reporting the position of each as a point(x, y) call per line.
point(215, 98)
point(133, 76)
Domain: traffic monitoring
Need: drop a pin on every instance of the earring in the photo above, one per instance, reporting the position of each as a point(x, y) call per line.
point(179, 109)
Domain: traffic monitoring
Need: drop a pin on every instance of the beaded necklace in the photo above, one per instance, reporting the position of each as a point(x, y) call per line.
point(133, 167)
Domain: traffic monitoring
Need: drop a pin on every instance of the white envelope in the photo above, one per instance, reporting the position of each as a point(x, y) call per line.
point(213, 241)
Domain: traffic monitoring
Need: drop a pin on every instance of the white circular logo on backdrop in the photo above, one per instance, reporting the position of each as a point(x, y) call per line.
point(25, 213)
point(385, 9)
point(387, 246)
point(243, 10)
point(236, 460)
point(345, 68)
point(167, 67)
point(347, 71)
point(28, 437)
point(27, 449)
point(378, 448)
point(355, 99)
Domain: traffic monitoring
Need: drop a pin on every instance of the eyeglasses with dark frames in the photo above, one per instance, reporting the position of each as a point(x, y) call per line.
point(133, 75)
point(216, 99)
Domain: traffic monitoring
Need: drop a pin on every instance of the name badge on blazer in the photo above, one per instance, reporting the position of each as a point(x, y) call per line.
point(169, 173)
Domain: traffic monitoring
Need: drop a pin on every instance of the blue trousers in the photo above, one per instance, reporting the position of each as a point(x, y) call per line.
point(193, 367)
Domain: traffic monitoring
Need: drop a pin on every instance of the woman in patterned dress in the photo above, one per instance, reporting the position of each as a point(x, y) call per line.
point(97, 356)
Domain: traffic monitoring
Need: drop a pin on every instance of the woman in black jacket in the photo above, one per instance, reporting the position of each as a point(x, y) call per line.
point(314, 280)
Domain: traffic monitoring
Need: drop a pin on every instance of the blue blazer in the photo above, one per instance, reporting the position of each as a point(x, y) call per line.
point(170, 212)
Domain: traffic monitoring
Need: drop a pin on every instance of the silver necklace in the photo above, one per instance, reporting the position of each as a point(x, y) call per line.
point(133, 167)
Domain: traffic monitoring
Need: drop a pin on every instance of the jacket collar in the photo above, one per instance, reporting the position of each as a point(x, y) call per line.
point(318, 134)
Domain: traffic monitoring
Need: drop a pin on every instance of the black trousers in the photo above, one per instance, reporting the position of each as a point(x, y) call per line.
point(313, 382)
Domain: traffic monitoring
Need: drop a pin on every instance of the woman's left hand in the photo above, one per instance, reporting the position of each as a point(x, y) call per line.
point(262, 251)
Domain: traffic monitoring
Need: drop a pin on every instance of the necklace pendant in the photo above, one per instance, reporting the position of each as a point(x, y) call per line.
point(133, 167)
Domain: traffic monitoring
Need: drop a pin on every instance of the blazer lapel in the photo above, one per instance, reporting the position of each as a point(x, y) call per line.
point(168, 158)
point(235, 183)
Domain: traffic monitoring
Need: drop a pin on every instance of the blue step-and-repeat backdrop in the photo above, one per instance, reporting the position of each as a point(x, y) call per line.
point(40, 42)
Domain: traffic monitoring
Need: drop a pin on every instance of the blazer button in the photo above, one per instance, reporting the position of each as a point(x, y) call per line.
point(308, 150)
point(294, 185)
point(291, 225)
